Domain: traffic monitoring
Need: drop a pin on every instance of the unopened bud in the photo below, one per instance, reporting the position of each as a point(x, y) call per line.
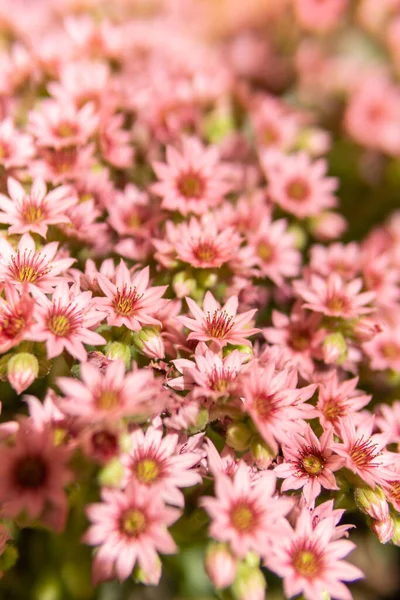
point(261, 453)
point(334, 349)
point(150, 577)
point(111, 474)
point(365, 329)
point(149, 341)
point(372, 502)
point(396, 535)
point(250, 584)
point(238, 436)
point(220, 565)
point(184, 285)
point(328, 226)
point(22, 370)
point(384, 530)
point(119, 351)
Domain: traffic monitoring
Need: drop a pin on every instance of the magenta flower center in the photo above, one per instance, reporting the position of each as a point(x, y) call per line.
point(264, 405)
point(105, 442)
point(29, 267)
point(12, 324)
point(219, 324)
point(243, 517)
point(298, 190)
point(191, 185)
point(363, 452)
point(125, 300)
point(205, 251)
point(147, 470)
point(31, 472)
point(134, 522)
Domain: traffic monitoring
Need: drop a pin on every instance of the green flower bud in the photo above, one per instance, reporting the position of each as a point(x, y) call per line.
point(238, 436)
point(22, 370)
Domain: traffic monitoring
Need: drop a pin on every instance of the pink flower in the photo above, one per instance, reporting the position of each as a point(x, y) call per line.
point(16, 148)
point(319, 15)
point(364, 453)
point(200, 243)
point(337, 399)
point(309, 463)
point(35, 211)
point(65, 322)
point(245, 513)
point(333, 297)
point(274, 250)
point(15, 316)
point(192, 181)
point(309, 559)
point(383, 350)
point(60, 125)
point(388, 420)
point(299, 186)
point(129, 527)
point(33, 474)
point(129, 301)
point(220, 325)
point(110, 395)
point(155, 462)
point(273, 401)
point(38, 268)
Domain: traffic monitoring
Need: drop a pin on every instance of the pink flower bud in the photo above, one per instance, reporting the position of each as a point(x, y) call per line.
point(334, 349)
point(384, 530)
point(249, 584)
point(238, 436)
point(372, 502)
point(261, 453)
point(328, 226)
point(22, 370)
point(365, 329)
point(220, 565)
point(150, 342)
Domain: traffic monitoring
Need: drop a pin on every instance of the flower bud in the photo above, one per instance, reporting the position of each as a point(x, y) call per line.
point(118, 351)
point(365, 329)
point(150, 577)
point(328, 226)
point(261, 453)
point(250, 584)
point(372, 502)
point(220, 565)
point(149, 341)
point(334, 349)
point(396, 535)
point(111, 474)
point(238, 436)
point(384, 530)
point(22, 370)
point(183, 285)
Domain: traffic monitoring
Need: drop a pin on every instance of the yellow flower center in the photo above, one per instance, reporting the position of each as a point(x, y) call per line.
point(243, 517)
point(306, 563)
point(313, 465)
point(59, 325)
point(147, 470)
point(134, 522)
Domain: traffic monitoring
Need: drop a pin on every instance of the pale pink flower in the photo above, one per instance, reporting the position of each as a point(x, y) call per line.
point(388, 420)
point(275, 254)
point(155, 462)
point(309, 559)
point(309, 464)
point(220, 325)
point(275, 127)
point(129, 527)
point(26, 265)
point(130, 212)
point(245, 513)
point(34, 211)
point(200, 243)
point(276, 406)
point(364, 452)
point(319, 15)
point(220, 565)
point(16, 311)
point(337, 399)
point(61, 125)
point(383, 350)
point(334, 297)
point(130, 301)
point(16, 148)
point(33, 474)
point(191, 181)
point(298, 185)
point(336, 258)
point(65, 322)
point(61, 165)
point(115, 142)
point(111, 394)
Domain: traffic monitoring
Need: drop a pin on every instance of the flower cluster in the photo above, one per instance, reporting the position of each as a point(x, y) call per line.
point(193, 332)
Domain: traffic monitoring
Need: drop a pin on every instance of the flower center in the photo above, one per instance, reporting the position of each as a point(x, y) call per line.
point(269, 135)
point(313, 464)
point(298, 190)
point(65, 130)
point(108, 399)
point(124, 302)
point(390, 350)
point(32, 213)
point(59, 325)
point(338, 304)
point(306, 563)
point(264, 405)
point(265, 251)
point(219, 324)
point(191, 185)
point(11, 325)
point(105, 442)
point(31, 472)
point(363, 453)
point(299, 340)
point(29, 267)
point(147, 470)
point(205, 251)
point(333, 410)
point(243, 517)
point(134, 522)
